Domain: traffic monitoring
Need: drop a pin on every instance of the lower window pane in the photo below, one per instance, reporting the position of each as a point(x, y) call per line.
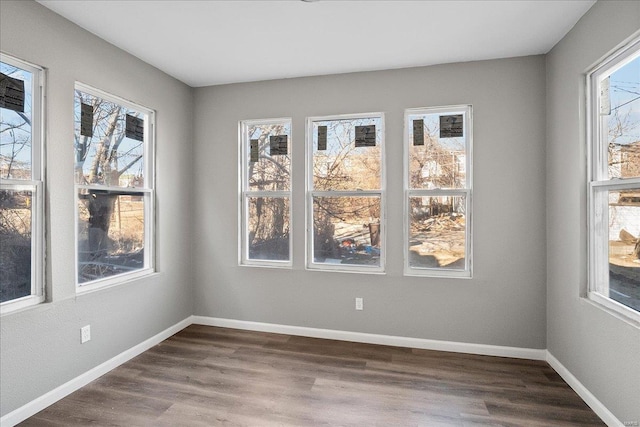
point(110, 234)
point(15, 249)
point(624, 247)
point(346, 230)
point(268, 228)
point(437, 232)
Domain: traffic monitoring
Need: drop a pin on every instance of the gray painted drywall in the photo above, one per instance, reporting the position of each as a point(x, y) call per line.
point(504, 303)
point(40, 347)
point(600, 350)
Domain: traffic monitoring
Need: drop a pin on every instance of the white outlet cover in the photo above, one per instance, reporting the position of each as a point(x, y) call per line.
point(85, 334)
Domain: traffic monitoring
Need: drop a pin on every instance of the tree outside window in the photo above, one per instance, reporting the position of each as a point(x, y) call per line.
point(114, 186)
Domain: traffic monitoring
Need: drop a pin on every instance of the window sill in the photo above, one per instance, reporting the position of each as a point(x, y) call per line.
point(115, 281)
point(20, 304)
point(444, 274)
point(614, 308)
point(336, 269)
point(282, 266)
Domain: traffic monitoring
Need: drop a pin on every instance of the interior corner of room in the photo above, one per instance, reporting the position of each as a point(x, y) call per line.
point(519, 292)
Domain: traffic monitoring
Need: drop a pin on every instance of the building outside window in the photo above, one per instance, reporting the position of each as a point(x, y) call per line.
point(114, 187)
point(21, 184)
point(614, 181)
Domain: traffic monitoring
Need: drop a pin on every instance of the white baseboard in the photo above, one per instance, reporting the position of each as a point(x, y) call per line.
point(42, 402)
point(597, 406)
point(47, 399)
point(457, 347)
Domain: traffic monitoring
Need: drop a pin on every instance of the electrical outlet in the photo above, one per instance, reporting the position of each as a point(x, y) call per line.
point(359, 304)
point(85, 334)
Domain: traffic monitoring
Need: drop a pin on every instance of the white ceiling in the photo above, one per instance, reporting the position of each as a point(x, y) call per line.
point(214, 42)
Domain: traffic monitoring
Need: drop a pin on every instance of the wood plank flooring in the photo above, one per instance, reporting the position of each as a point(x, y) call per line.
point(209, 376)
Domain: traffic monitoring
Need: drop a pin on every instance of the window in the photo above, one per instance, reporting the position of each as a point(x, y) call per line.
point(114, 187)
point(437, 232)
point(265, 182)
point(345, 193)
point(21, 184)
point(614, 187)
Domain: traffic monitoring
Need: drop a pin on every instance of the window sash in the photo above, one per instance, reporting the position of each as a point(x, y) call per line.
point(244, 233)
point(245, 193)
point(599, 183)
point(37, 245)
point(439, 271)
point(345, 268)
point(312, 193)
point(37, 113)
point(35, 185)
point(147, 190)
point(465, 192)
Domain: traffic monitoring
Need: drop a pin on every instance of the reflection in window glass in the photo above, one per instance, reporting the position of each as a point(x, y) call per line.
point(624, 247)
point(437, 232)
point(268, 228)
point(346, 230)
point(15, 247)
point(110, 234)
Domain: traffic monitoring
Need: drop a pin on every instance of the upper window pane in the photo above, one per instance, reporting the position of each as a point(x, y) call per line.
point(347, 154)
point(437, 151)
point(16, 118)
point(109, 143)
point(620, 105)
point(269, 156)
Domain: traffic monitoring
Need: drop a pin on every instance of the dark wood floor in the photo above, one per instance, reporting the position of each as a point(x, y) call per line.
point(208, 376)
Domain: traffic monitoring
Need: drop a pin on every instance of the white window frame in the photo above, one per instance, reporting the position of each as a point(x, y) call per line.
point(244, 193)
point(599, 183)
point(311, 193)
point(148, 190)
point(36, 185)
point(467, 192)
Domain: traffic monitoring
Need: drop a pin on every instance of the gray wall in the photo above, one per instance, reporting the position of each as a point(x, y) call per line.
point(40, 347)
point(504, 303)
point(602, 351)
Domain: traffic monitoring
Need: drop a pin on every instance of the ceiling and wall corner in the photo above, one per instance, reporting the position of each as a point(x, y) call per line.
point(230, 45)
point(204, 43)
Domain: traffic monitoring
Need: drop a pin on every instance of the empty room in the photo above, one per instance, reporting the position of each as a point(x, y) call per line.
point(319, 212)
